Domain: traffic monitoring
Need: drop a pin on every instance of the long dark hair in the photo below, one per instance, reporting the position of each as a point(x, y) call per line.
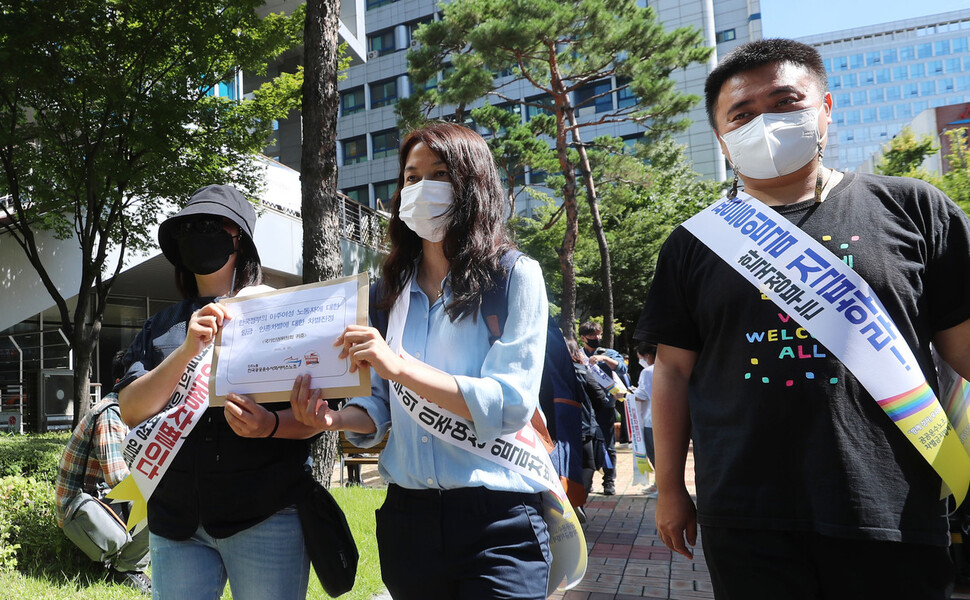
point(248, 270)
point(477, 234)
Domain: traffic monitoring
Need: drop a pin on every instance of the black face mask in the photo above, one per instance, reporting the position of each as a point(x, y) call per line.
point(205, 253)
point(593, 343)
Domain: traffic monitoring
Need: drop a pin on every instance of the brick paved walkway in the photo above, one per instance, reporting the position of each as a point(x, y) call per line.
point(626, 557)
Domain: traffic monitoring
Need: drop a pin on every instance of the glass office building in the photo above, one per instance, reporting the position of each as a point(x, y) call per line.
point(884, 75)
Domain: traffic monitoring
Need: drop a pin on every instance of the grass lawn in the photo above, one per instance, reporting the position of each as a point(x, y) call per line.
point(47, 582)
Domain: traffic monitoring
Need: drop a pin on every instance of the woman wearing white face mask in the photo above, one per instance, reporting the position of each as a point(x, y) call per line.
point(455, 524)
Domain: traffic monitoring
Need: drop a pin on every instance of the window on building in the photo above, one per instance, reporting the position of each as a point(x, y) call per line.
point(852, 117)
point(886, 113)
point(910, 90)
point(900, 73)
point(840, 63)
point(629, 141)
point(862, 134)
point(924, 50)
point(938, 101)
point(877, 95)
point(959, 45)
point(927, 88)
point(892, 93)
point(907, 53)
point(377, 3)
point(963, 83)
point(873, 58)
point(596, 94)
point(355, 150)
point(867, 78)
point(855, 61)
point(941, 48)
point(724, 36)
point(537, 177)
point(890, 56)
point(827, 63)
point(953, 65)
point(385, 143)
point(624, 96)
point(846, 135)
point(352, 101)
point(839, 118)
point(869, 115)
point(381, 42)
point(918, 70)
point(859, 98)
point(879, 132)
point(936, 67)
point(966, 63)
point(920, 106)
point(835, 82)
point(843, 99)
point(883, 76)
point(542, 101)
point(850, 81)
point(383, 93)
point(413, 27)
point(358, 194)
point(945, 85)
point(383, 192)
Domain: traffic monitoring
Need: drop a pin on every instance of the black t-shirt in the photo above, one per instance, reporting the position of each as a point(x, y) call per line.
point(218, 479)
point(784, 436)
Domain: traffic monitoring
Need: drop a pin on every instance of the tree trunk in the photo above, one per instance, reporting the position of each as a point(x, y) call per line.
point(318, 166)
point(594, 210)
point(568, 316)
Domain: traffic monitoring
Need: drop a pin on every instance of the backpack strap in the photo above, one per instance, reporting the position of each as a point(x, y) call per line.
point(495, 301)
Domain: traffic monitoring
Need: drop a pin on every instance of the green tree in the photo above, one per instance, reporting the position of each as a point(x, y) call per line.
point(956, 181)
point(560, 48)
point(905, 155)
point(515, 145)
point(106, 111)
point(645, 194)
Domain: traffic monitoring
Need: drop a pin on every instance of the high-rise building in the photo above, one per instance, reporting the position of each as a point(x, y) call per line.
point(882, 76)
point(367, 131)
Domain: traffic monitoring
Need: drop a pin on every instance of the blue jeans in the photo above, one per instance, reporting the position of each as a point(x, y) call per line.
point(268, 560)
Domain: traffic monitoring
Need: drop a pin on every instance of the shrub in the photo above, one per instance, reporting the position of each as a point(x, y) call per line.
point(34, 455)
point(30, 539)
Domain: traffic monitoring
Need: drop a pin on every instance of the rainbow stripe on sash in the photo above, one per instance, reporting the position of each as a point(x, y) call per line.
point(908, 403)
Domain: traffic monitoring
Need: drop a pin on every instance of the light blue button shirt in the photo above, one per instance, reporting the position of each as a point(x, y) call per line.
point(500, 384)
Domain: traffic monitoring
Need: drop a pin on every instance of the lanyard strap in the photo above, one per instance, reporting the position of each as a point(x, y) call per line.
point(521, 452)
point(837, 306)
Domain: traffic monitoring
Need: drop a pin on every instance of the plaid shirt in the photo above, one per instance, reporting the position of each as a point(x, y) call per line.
point(104, 457)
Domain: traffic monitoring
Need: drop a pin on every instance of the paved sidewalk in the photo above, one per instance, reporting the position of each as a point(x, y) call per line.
point(626, 557)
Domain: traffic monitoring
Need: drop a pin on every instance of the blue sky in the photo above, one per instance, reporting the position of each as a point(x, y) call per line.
point(796, 18)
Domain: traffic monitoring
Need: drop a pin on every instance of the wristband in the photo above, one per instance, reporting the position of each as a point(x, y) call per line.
point(276, 426)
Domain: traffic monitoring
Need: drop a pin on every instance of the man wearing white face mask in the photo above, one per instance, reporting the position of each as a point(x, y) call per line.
point(782, 314)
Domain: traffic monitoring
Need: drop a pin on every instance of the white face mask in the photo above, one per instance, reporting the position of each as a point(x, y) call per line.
point(774, 144)
point(643, 363)
point(422, 206)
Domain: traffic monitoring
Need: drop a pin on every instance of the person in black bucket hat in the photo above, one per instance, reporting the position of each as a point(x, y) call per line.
point(224, 506)
point(195, 241)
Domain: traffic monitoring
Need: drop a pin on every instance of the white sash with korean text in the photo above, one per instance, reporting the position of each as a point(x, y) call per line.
point(521, 452)
point(837, 306)
point(151, 447)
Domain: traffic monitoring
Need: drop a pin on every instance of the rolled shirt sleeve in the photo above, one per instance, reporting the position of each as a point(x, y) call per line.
point(506, 394)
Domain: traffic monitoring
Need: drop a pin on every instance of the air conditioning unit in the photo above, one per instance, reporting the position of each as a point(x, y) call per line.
point(415, 44)
point(56, 399)
point(373, 54)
